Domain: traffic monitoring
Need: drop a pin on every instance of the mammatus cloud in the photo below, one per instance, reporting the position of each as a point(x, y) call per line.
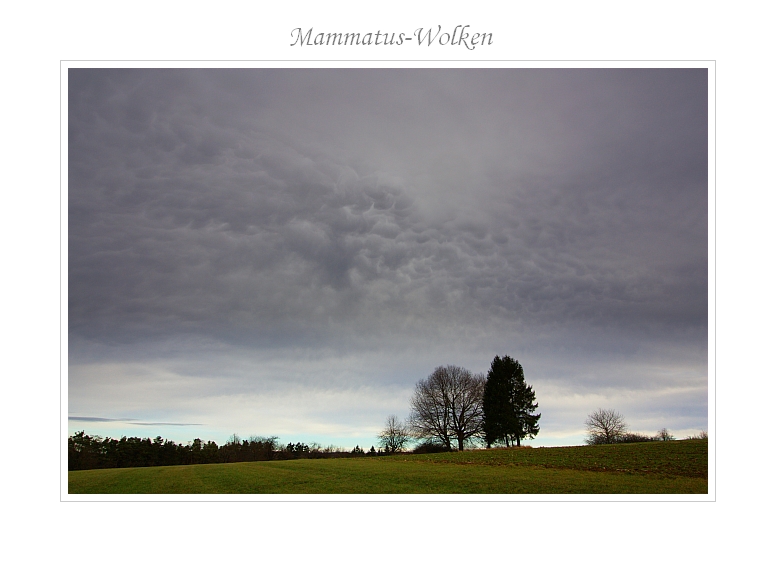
point(224, 220)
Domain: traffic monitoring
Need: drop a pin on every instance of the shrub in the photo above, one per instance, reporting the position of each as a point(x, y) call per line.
point(628, 437)
point(430, 447)
point(701, 435)
point(634, 438)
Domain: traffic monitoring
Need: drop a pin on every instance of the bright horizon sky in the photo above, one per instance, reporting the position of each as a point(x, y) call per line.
point(286, 252)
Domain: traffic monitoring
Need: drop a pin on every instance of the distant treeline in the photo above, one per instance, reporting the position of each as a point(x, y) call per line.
point(86, 452)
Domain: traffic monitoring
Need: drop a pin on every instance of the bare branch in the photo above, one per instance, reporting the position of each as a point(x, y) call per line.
point(604, 427)
point(395, 435)
point(447, 406)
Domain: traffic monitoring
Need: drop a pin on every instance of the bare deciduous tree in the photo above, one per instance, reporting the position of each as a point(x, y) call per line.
point(447, 406)
point(702, 435)
point(394, 436)
point(604, 426)
point(664, 435)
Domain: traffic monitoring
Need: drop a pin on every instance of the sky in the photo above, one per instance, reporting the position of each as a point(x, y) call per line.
point(286, 252)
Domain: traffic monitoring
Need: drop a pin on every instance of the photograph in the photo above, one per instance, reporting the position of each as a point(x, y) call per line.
point(387, 281)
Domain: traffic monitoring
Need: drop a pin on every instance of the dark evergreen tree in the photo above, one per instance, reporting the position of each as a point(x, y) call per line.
point(508, 404)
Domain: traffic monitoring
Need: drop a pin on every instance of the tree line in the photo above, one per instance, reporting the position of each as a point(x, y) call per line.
point(85, 452)
point(453, 408)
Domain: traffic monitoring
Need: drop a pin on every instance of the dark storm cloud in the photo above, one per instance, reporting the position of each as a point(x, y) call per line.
point(288, 251)
point(283, 207)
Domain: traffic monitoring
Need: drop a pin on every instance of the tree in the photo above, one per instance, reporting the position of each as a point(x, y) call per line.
point(394, 436)
point(447, 407)
point(508, 404)
point(604, 427)
point(664, 435)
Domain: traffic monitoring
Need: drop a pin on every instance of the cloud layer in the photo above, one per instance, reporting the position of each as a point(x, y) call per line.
point(224, 220)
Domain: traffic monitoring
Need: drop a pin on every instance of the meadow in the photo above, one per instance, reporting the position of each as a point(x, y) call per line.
point(670, 467)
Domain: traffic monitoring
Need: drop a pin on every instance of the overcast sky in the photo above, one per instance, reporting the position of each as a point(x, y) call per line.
point(286, 252)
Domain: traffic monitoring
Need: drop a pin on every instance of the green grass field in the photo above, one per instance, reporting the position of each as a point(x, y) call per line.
point(673, 467)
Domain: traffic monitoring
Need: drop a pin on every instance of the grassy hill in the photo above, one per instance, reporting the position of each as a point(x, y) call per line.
point(638, 468)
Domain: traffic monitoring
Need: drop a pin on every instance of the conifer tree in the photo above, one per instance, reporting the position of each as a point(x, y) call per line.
point(508, 404)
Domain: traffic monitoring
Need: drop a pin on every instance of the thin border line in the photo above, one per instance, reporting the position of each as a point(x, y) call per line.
point(391, 60)
point(711, 61)
point(715, 285)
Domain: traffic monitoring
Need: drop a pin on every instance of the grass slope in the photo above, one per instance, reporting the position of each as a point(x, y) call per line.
point(641, 468)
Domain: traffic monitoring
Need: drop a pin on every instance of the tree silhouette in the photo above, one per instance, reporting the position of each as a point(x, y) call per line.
point(508, 404)
point(447, 406)
point(605, 427)
point(394, 436)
